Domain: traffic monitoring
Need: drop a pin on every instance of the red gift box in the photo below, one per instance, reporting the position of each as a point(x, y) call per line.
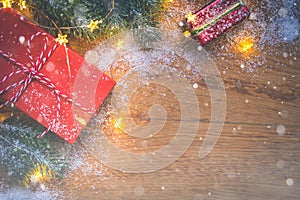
point(216, 18)
point(46, 80)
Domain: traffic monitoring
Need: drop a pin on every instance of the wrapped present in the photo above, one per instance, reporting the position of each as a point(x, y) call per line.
point(215, 18)
point(47, 80)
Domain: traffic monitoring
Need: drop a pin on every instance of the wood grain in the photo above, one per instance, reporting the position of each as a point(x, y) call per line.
point(250, 160)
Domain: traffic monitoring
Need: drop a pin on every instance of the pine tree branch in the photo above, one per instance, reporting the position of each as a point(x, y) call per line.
point(116, 15)
point(21, 151)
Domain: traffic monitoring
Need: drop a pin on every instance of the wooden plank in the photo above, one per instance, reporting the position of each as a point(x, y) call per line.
point(257, 155)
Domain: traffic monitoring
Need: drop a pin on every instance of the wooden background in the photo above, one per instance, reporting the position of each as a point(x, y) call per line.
point(250, 160)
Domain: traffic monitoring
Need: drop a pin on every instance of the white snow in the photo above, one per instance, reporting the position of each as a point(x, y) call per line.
point(280, 129)
point(50, 66)
point(234, 131)
point(252, 16)
point(139, 191)
point(195, 85)
point(279, 26)
point(283, 12)
point(265, 28)
point(21, 39)
point(17, 193)
point(290, 182)
point(280, 164)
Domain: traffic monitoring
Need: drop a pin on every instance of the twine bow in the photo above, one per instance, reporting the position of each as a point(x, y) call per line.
point(33, 73)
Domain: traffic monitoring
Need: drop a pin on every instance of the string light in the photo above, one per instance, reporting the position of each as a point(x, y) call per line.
point(245, 45)
point(117, 124)
point(187, 33)
point(120, 44)
point(190, 17)
point(61, 39)
point(4, 116)
point(38, 175)
point(22, 4)
point(7, 3)
point(93, 25)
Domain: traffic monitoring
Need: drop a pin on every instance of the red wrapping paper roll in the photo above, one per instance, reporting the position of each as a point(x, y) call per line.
point(216, 18)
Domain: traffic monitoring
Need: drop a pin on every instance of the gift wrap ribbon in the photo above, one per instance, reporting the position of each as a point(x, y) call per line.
point(33, 73)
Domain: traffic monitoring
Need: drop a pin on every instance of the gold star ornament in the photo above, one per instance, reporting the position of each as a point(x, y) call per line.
point(61, 39)
point(190, 17)
point(93, 25)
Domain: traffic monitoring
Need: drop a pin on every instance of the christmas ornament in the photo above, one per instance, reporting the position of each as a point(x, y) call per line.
point(93, 25)
point(61, 39)
point(214, 19)
point(47, 80)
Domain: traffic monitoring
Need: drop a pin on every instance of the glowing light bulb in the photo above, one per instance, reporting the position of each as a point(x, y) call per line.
point(7, 3)
point(22, 4)
point(120, 44)
point(245, 45)
point(190, 17)
point(61, 39)
point(38, 174)
point(94, 25)
point(118, 124)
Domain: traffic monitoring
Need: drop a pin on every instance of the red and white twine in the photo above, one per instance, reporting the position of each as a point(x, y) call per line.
point(33, 73)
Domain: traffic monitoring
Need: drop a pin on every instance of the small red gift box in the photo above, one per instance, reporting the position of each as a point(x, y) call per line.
point(216, 18)
point(46, 80)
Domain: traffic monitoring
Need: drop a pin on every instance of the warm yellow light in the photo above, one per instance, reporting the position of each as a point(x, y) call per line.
point(38, 175)
point(93, 25)
point(167, 3)
point(22, 4)
point(190, 17)
point(4, 116)
point(245, 45)
point(187, 33)
point(61, 39)
point(120, 44)
point(118, 124)
point(7, 3)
